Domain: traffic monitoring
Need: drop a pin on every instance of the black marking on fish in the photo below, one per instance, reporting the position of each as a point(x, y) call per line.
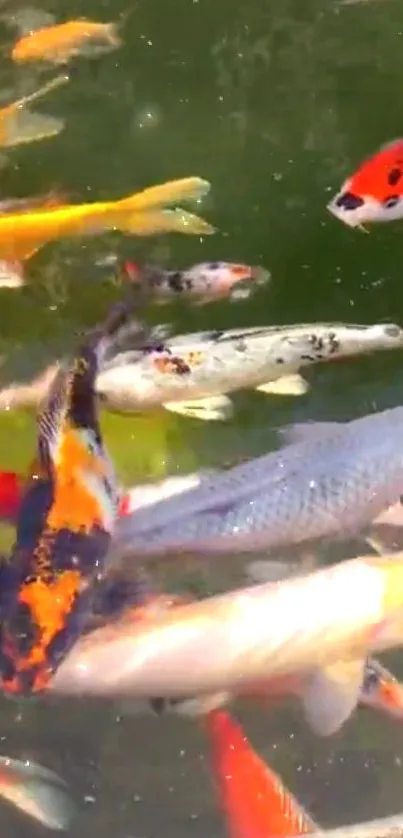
point(394, 176)
point(349, 201)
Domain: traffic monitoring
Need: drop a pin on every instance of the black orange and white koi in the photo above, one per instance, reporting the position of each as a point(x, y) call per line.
point(64, 525)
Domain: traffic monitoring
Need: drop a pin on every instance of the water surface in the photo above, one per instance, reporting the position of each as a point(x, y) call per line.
point(275, 103)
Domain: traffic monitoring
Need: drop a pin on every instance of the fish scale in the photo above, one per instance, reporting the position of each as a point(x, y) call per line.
point(326, 487)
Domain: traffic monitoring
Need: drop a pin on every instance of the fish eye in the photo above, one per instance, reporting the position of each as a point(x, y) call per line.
point(371, 680)
point(214, 266)
point(349, 201)
point(391, 201)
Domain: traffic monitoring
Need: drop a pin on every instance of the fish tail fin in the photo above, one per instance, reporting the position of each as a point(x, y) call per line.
point(37, 792)
point(53, 84)
point(25, 126)
point(253, 798)
point(164, 221)
point(113, 32)
point(164, 194)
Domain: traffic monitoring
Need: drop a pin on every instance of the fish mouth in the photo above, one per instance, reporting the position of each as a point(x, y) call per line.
point(256, 276)
point(389, 699)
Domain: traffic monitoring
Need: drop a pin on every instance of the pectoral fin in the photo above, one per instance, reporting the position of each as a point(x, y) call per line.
point(331, 694)
point(212, 409)
point(288, 385)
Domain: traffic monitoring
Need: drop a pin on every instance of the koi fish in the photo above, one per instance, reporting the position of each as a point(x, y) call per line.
point(64, 526)
point(331, 481)
point(20, 125)
point(255, 802)
point(22, 234)
point(313, 626)
point(253, 798)
point(59, 42)
point(192, 374)
point(375, 191)
point(37, 792)
point(202, 283)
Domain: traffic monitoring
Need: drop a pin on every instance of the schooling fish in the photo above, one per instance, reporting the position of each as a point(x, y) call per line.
point(202, 283)
point(375, 191)
point(314, 625)
point(37, 792)
point(59, 42)
point(191, 374)
point(64, 526)
point(144, 213)
point(20, 125)
point(252, 797)
point(330, 482)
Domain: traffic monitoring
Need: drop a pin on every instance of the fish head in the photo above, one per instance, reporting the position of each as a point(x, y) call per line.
point(374, 193)
point(215, 280)
point(381, 690)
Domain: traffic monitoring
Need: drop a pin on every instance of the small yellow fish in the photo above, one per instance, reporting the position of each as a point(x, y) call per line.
point(143, 213)
point(60, 42)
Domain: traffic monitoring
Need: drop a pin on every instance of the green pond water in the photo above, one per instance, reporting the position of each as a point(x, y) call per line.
point(274, 102)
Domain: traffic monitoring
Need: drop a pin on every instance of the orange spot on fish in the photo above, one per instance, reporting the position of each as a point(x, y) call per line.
point(75, 506)
point(49, 604)
point(241, 270)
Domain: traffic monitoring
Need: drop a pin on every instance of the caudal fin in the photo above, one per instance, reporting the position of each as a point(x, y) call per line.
point(37, 792)
point(164, 194)
point(253, 798)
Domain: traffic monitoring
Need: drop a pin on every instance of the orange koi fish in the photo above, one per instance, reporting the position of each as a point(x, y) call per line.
point(60, 42)
point(64, 526)
point(253, 798)
point(144, 213)
point(20, 125)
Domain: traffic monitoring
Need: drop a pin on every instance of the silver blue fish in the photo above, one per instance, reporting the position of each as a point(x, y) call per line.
point(330, 482)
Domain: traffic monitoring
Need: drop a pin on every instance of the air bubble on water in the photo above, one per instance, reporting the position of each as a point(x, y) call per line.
point(89, 798)
point(148, 117)
point(182, 753)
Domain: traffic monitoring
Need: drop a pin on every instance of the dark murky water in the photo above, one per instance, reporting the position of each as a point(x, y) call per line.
point(274, 103)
